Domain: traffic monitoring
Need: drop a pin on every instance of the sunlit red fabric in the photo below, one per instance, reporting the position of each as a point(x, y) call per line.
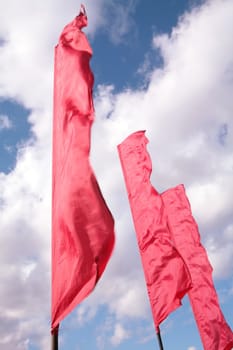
point(167, 277)
point(82, 225)
point(214, 331)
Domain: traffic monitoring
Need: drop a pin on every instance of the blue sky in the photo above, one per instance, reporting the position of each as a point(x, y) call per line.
point(164, 66)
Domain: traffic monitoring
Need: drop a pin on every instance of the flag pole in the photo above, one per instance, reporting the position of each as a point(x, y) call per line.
point(159, 339)
point(54, 339)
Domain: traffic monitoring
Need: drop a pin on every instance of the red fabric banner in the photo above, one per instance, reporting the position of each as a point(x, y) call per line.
point(82, 225)
point(214, 331)
point(167, 277)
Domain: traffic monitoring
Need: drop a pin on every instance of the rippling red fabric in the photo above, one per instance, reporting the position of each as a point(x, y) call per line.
point(82, 225)
point(167, 277)
point(214, 331)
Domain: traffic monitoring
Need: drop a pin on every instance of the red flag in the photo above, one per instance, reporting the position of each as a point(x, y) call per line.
point(82, 225)
point(214, 331)
point(167, 277)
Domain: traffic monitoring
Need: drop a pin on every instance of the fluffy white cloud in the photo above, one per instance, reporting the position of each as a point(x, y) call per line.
point(187, 112)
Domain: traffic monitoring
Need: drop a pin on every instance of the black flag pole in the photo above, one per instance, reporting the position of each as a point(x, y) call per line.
point(159, 339)
point(54, 339)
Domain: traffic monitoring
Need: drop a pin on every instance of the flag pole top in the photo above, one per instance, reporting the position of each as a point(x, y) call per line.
point(80, 20)
point(83, 10)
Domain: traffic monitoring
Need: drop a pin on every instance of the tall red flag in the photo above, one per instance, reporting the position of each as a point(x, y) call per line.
point(167, 277)
point(82, 225)
point(214, 331)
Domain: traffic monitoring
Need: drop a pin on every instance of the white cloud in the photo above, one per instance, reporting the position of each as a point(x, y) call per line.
point(25, 251)
point(120, 334)
point(183, 109)
point(119, 19)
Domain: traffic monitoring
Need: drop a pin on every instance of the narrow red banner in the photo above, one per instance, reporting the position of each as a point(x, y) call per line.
point(82, 225)
point(167, 277)
point(214, 330)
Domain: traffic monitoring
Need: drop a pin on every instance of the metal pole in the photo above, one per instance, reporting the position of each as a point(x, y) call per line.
point(54, 339)
point(159, 339)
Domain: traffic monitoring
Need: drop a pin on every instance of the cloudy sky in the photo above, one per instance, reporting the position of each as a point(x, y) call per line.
point(165, 66)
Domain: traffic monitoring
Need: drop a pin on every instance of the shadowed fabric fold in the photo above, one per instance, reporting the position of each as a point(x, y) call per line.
point(214, 331)
point(167, 277)
point(82, 225)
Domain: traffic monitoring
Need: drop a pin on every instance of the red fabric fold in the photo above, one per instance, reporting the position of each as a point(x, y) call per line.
point(82, 225)
point(167, 277)
point(214, 330)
